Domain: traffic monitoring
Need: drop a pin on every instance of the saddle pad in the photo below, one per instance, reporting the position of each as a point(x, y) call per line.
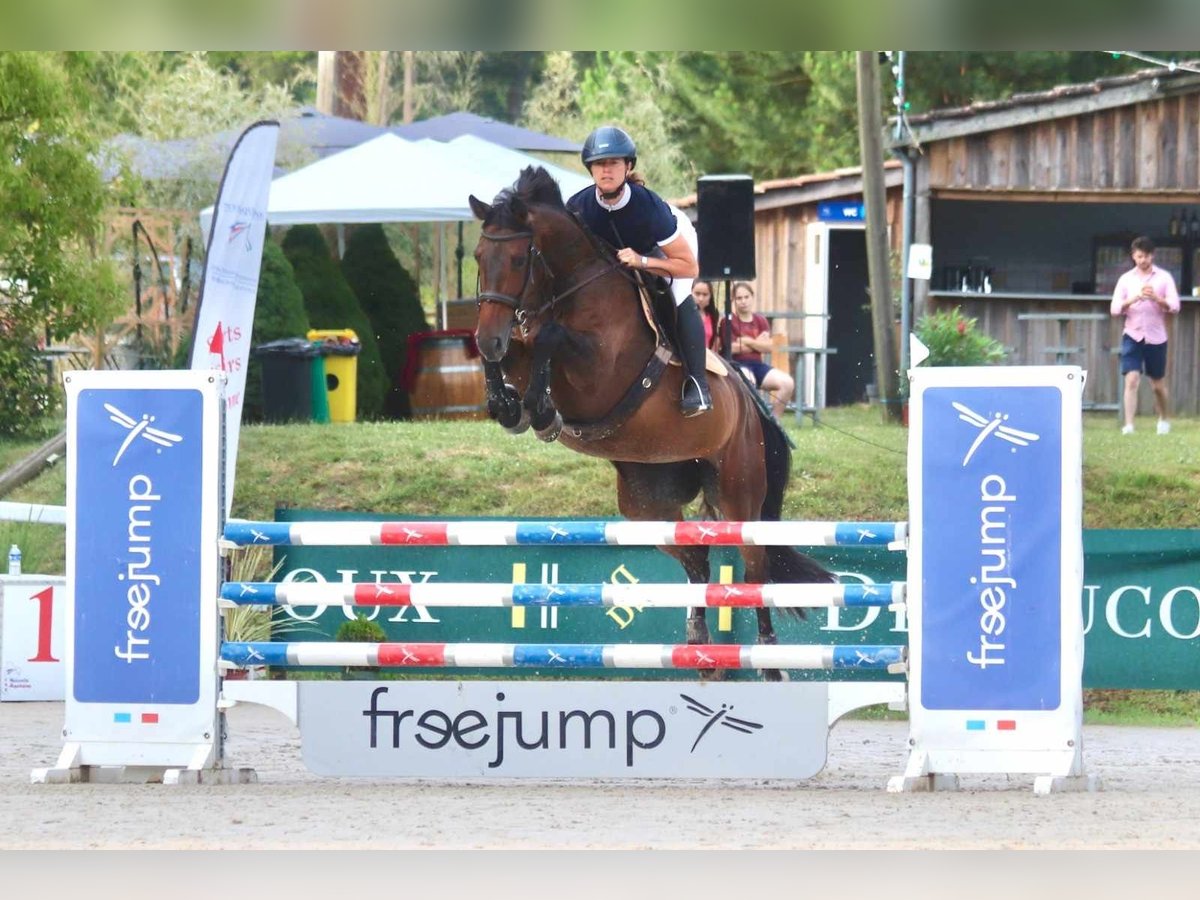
point(713, 363)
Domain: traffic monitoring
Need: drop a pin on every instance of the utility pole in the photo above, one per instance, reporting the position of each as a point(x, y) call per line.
point(414, 229)
point(326, 80)
point(383, 91)
point(409, 64)
point(870, 137)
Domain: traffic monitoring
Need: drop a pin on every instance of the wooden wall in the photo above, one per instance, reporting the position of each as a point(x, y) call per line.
point(1030, 342)
point(1151, 146)
point(780, 244)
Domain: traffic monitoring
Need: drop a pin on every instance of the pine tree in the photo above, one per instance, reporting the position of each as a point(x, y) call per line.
point(331, 304)
point(278, 313)
point(389, 297)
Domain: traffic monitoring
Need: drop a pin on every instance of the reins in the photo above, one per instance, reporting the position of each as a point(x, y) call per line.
point(514, 302)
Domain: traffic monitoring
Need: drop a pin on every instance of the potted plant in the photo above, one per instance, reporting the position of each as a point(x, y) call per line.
point(360, 630)
point(954, 340)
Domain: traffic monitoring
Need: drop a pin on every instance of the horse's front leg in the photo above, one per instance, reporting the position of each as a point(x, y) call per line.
point(503, 400)
point(546, 420)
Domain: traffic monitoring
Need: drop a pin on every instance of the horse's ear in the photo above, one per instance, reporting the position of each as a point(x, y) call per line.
point(519, 210)
point(478, 207)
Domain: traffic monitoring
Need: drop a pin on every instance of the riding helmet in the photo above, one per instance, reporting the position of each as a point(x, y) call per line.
point(608, 142)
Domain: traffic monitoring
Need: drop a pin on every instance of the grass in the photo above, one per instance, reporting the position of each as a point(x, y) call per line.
point(851, 467)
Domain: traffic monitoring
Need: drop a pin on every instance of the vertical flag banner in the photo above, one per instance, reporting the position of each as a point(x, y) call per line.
point(225, 312)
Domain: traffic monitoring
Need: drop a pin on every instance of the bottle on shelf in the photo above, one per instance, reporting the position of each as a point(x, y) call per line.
point(1193, 229)
point(14, 560)
point(1173, 224)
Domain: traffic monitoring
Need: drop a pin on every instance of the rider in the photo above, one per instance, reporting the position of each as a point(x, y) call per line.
point(645, 232)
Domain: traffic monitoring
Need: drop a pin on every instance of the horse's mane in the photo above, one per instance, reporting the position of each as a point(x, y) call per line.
point(537, 186)
point(534, 185)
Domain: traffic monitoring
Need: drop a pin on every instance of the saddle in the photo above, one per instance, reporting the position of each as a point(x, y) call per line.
point(658, 308)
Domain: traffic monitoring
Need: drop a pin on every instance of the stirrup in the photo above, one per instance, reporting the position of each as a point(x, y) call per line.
point(694, 402)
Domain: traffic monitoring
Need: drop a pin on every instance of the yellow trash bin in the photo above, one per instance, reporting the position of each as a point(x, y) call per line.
point(339, 347)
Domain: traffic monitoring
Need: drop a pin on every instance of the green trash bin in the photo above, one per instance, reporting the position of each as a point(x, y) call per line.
point(287, 379)
point(320, 399)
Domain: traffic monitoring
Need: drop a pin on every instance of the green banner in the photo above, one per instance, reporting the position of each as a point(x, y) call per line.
point(1141, 603)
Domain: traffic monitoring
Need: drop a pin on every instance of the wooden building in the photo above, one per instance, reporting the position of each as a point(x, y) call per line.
point(812, 274)
point(1041, 194)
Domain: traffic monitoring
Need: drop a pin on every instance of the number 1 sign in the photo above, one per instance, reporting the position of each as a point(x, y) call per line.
point(31, 666)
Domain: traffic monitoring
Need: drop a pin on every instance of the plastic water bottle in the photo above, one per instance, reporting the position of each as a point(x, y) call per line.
point(14, 560)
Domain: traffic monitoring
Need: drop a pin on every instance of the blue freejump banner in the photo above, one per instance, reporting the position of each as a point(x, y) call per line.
point(143, 495)
point(995, 574)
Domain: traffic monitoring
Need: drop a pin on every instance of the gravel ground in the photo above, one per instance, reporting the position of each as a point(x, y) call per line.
point(1151, 799)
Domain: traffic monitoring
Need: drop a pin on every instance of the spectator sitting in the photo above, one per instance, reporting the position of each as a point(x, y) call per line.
point(751, 336)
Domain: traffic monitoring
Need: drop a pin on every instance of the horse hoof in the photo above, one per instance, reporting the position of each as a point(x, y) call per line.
point(550, 433)
point(714, 674)
point(774, 675)
point(522, 423)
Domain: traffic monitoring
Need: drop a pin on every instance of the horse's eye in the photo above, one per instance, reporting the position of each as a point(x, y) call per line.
point(518, 262)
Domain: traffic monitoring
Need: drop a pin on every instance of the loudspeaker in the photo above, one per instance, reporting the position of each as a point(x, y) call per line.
point(725, 226)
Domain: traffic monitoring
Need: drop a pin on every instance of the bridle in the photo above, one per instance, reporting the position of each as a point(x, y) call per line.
point(525, 316)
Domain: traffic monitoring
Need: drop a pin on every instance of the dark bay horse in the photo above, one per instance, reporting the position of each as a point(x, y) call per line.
point(567, 349)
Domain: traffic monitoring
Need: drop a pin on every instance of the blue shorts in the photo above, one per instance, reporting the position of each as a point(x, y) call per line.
point(1138, 356)
point(755, 367)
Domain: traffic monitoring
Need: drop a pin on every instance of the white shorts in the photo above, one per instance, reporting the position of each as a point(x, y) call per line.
point(682, 287)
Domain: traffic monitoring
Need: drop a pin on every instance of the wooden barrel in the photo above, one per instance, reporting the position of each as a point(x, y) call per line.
point(449, 381)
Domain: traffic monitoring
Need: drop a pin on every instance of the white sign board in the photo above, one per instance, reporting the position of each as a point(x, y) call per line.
point(611, 729)
point(31, 637)
point(920, 261)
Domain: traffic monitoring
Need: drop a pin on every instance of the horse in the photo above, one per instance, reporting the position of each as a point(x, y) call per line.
point(568, 351)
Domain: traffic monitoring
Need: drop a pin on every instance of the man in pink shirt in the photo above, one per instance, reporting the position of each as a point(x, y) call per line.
point(1144, 295)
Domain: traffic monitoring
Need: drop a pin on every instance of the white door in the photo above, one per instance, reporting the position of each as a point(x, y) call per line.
point(816, 306)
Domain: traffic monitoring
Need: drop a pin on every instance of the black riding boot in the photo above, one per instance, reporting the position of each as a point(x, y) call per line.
point(689, 334)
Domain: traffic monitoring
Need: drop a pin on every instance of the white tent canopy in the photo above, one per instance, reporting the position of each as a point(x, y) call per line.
point(500, 165)
point(387, 179)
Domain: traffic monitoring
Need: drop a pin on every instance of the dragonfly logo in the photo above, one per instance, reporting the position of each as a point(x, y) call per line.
point(717, 716)
point(993, 427)
point(139, 429)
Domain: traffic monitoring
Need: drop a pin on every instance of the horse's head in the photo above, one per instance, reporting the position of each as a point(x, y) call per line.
point(514, 278)
point(505, 255)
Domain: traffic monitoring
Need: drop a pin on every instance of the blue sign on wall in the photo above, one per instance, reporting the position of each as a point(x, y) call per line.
point(992, 568)
point(841, 211)
point(137, 622)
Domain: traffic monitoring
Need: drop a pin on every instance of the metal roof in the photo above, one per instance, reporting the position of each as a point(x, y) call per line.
point(1057, 102)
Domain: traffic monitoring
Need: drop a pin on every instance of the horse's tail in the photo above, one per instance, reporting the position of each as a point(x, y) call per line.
point(784, 564)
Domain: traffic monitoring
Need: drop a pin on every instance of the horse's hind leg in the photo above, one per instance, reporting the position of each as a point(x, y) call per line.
point(741, 487)
point(648, 492)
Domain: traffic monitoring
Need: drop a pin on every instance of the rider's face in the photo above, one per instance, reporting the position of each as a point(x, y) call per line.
point(609, 174)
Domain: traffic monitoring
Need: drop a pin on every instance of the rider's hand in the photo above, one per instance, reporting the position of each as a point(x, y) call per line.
point(630, 258)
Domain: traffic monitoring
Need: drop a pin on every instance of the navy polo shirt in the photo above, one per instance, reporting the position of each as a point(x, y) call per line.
point(642, 223)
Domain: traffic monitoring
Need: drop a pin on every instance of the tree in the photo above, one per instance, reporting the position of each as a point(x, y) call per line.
point(185, 97)
point(278, 313)
point(389, 297)
point(51, 284)
point(629, 89)
point(331, 304)
point(256, 70)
